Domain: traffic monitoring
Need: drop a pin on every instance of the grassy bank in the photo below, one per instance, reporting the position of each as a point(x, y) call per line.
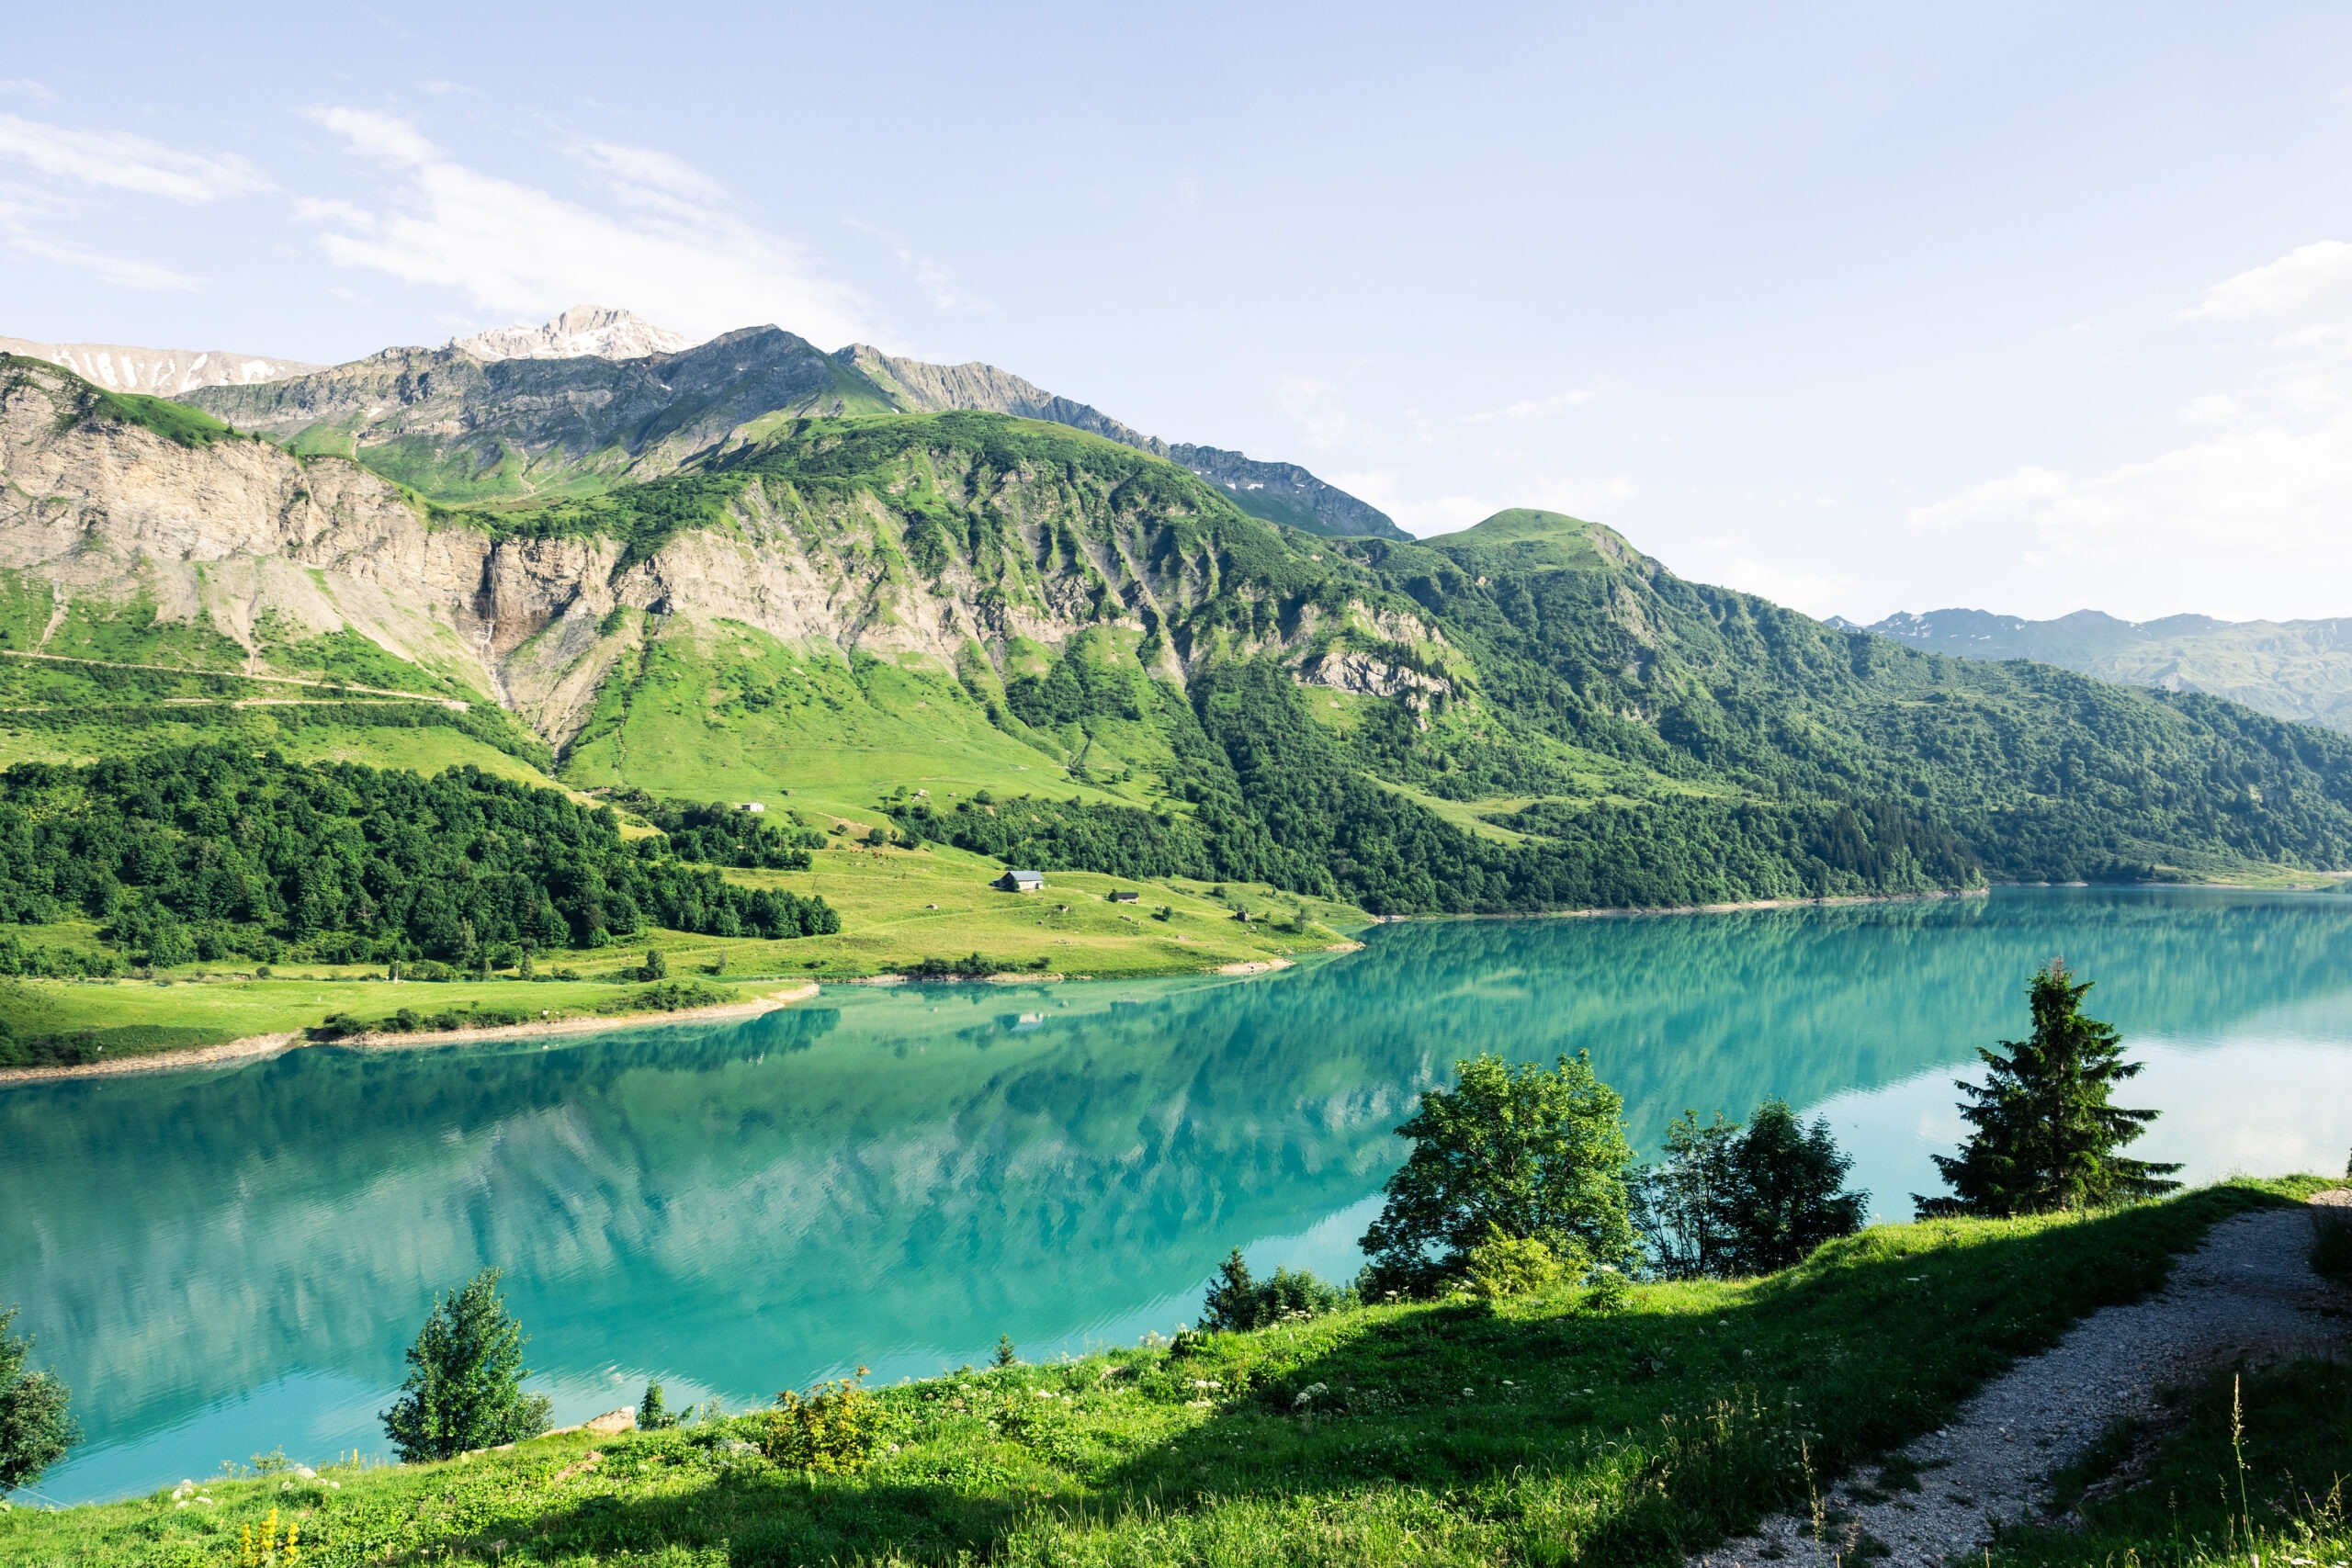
point(1534, 1431)
point(899, 908)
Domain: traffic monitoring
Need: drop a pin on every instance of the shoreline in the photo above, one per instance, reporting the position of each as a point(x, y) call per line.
point(1623, 912)
point(252, 1047)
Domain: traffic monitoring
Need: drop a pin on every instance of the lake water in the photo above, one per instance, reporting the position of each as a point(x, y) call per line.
point(225, 1262)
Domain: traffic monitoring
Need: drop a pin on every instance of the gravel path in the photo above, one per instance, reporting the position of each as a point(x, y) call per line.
point(2248, 1291)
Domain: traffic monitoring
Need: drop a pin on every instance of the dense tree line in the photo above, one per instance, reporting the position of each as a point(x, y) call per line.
point(719, 834)
point(204, 851)
point(1274, 798)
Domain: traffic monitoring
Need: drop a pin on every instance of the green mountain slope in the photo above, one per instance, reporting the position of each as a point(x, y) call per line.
point(1051, 648)
point(462, 428)
point(2297, 670)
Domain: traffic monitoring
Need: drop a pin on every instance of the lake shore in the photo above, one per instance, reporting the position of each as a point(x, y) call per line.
point(258, 1045)
point(1616, 912)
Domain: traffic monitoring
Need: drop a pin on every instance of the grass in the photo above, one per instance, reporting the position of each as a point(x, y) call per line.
point(898, 908)
point(210, 1004)
point(2250, 1468)
point(1534, 1430)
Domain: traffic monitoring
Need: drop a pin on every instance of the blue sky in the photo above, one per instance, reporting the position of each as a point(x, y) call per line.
point(1865, 308)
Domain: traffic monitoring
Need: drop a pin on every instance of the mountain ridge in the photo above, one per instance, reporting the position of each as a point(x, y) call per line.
point(640, 401)
point(2292, 669)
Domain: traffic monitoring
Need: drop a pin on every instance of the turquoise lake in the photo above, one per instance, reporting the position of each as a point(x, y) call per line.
point(226, 1262)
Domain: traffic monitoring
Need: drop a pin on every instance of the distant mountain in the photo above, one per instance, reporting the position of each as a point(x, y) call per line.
point(598, 396)
point(2295, 670)
point(157, 372)
point(584, 331)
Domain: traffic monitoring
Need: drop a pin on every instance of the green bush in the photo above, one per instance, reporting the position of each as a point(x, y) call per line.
point(1512, 1266)
point(35, 1426)
point(2331, 1241)
point(834, 1428)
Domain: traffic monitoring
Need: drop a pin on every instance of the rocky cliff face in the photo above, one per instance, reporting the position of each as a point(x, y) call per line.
point(261, 544)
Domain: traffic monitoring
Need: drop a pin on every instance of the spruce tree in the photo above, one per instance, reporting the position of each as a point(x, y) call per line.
point(465, 1380)
point(2046, 1133)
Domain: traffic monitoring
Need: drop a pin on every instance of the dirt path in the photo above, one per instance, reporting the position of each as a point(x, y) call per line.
point(2248, 1291)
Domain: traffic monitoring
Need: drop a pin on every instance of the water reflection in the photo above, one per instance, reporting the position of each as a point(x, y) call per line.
point(222, 1262)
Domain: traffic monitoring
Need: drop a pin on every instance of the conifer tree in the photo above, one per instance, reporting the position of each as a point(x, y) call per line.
point(2046, 1132)
point(465, 1380)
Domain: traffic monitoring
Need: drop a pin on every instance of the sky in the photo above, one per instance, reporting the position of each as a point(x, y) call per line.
point(2030, 308)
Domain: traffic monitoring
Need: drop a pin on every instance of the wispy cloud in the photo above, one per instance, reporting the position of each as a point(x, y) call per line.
point(932, 277)
point(116, 270)
point(673, 253)
point(2255, 492)
point(116, 160)
point(1538, 408)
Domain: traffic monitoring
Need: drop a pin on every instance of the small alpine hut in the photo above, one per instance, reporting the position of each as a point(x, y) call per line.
point(1020, 882)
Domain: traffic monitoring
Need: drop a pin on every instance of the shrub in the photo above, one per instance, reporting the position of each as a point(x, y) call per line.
point(833, 1427)
point(1511, 1265)
point(36, 1428)
point(465, 1383)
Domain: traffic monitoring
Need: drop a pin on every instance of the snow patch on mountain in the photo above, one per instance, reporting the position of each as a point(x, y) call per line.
point(157, 372)
point(583, 332)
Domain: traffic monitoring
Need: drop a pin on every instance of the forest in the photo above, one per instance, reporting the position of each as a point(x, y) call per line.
point(198, 852)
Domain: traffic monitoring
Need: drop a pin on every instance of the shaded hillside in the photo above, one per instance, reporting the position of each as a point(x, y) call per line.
point(2298, 670)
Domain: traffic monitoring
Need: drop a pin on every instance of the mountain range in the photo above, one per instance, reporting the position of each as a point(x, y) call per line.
point(742, 568)
point(597, 395)
point(2297, 670)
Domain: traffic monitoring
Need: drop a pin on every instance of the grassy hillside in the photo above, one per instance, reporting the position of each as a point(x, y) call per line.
point(1536, 1430)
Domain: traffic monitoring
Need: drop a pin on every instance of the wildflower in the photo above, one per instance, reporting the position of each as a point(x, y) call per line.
point(1469, 1393)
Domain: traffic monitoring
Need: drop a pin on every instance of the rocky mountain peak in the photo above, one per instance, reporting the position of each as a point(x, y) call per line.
point(583, 332)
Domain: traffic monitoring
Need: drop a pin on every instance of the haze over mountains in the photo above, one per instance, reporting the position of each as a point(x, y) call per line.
point(746, 566)
point(2297, 670)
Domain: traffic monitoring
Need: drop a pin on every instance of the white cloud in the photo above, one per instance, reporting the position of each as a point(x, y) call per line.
point(113, 269)
point(118, 161)
point(1539, 408)
point(677, 257)
point(2309, 289)
point(2244, 517)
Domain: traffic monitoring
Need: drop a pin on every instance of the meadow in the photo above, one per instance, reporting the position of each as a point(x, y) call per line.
point(1550, 1428)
